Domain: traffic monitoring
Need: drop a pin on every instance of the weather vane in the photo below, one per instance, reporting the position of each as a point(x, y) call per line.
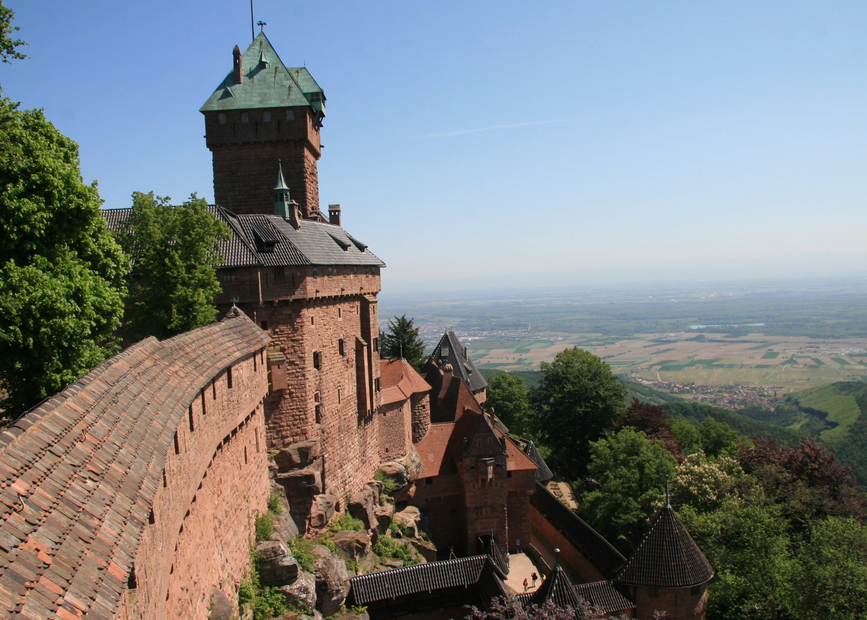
point(261, 25)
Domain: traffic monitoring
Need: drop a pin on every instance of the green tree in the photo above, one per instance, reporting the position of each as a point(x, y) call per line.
point(509, 399)
point(8, 45)
point(686, 436)
point(176, 253)
point(717, 438)
point(401, 340)
point(832, 580)
point(577, 397)
point(630, 472)
point(750, 550)
point(61, 272)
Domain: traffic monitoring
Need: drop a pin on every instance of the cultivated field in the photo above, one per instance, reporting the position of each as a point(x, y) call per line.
point(791, 363)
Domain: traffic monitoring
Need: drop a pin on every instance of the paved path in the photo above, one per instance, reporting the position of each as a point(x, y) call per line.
point(520, 568)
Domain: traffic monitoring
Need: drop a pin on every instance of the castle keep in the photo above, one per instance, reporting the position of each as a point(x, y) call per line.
point(132, 493)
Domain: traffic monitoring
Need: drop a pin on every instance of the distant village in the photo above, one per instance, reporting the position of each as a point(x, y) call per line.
point(730, 396)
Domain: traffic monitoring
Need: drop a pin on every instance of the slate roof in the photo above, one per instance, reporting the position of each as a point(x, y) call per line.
point(449, 350)
point(593, 546)
point(556, 588)
point(543, 473)
point(266, 83)
point(667, 557)
point(269, 240)
point(399, 381)
point(79, 473)
point(418, 578)
point(607, 595)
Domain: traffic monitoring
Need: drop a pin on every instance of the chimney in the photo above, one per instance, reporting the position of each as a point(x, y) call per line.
point(334, 214)
point(447, 380)
point(236, 65)
point(294, 215)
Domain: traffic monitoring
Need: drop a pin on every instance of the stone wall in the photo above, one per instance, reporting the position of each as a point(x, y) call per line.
point(245, 157)
point(420, 416)
point(680, 604)
point(131, 494)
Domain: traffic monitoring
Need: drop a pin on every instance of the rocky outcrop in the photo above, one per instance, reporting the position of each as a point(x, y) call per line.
point(285, 527)
point(352, 544)
point(408, 519)
point(321, 511)
point(402, 474)
point(363, 504)
point(303, 590)
point(277, 567)
point(384, 515)
point(298, 455)
point(221, 606)
point(332, 581)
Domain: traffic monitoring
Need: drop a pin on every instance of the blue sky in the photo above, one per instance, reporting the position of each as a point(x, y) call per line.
point(481, 140)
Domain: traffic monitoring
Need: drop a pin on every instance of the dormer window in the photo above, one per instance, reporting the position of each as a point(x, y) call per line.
point(290, 115)
point(221, 118)
point(266, 116)
point(245, 117)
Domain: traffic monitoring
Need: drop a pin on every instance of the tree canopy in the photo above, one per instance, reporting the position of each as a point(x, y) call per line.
point(175, 251)
point(508, 397)
point(577, 397)
point(401, 339)
point(8, 44)
point(61, 272)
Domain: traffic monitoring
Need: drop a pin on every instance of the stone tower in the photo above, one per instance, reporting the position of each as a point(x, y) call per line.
point(260, 113)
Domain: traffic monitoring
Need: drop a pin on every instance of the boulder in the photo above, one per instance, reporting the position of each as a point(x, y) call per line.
point(394, 563)
point(277, 567)
point(321, 511)
point(300, 483)
point(352, 544)
point(363, 505)
point(396, 474)
point(426, 550)
point(298, 454)
point(332, 581)
point(221, 606)
point(413, 464)
point(384, 515)
point(303, 590)
point(284, 525)
point(409, 517)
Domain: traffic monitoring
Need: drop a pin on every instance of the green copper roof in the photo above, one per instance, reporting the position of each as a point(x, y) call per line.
point(266, 83)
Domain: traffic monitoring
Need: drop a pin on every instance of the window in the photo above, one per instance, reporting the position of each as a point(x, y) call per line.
point(177, 444)
point(317, 411)
point(229, 377)
point(266, 116)
point(376, 344)
point(376, 384)
point(313, 320)
point(330, 271)
point(245, 117)
point(203, 401)
point(229, 275)
point(255, 366)
point(317, 360)
point(317, 398)
point(341, 345)
point(345, 270)
point(222, 118)
point(290, 115)
point(315, 271)
point(192, 423)
point(355, 270)
point(279, 274)
point(428, 481)
point(338, 396)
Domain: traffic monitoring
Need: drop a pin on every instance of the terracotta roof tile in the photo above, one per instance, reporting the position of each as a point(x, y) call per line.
point(79, 473)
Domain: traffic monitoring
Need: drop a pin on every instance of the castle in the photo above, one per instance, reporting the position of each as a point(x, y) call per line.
point(130, 494)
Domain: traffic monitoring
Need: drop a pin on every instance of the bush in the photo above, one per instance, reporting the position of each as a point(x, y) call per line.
point(264, 526)
point(390, 485)
point(388, 548)
point(266, 603)
point(302, 551)
point(345, 522)
point(275, 506)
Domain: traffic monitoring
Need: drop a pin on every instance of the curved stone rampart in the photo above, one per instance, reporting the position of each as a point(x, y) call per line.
point(131, 493)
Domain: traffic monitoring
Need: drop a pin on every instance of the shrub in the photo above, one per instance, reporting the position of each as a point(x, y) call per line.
point(302, 551)
point(345, 522)
point(275, 506)
point(264, 526)
point(266, 603)
point(390, 485)
point(388, 548)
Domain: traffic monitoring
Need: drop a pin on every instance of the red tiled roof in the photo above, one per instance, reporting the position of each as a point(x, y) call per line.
point(78, 475)
point(667, 557)
point(399, 381)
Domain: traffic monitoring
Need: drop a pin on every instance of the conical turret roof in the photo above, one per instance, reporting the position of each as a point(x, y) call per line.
point(556, 588)
point(667, 557)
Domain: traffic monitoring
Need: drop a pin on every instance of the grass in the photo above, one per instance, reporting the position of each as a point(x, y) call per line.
point(345, 523)
point(841, 408)
point(388, 548)
point(275, 506)
point(302, 551)
point(264, 526)
point(390, 485)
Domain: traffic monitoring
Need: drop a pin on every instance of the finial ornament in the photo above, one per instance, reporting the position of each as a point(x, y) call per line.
point(261, 25)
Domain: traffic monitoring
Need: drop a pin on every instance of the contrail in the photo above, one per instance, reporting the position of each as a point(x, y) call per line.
point(509, 126)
